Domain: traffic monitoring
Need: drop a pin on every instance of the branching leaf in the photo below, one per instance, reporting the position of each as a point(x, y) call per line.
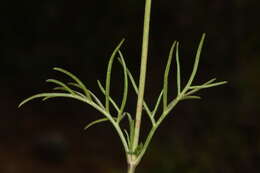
point(74, 92)
point(53, 95)
point(148, 111)
point(76, 79)
point(110, 99)
point(64, 86)
point(157, 104)
point(208, 85)
point(65, 95)
point(96, 99)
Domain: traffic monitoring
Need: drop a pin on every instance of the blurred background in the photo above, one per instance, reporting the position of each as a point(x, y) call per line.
point(219, 133)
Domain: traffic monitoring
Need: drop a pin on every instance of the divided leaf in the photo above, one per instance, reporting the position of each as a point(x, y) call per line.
point(76, 79)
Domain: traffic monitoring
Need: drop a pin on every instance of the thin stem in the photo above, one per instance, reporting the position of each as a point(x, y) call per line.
point(139, 106)
point(131, 168)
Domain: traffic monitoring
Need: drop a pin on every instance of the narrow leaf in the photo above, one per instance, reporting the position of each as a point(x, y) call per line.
point(95, 122)
point(74, 92)
point(64, 86)
point(76, 79)
point(127, 137)
point(96, 99)
point(110, 99)
point(178, 69)
point(190, 97)
point(208, 85)
point(108, 76)
point(195, 89)
point(75, 85)
point(166, 74)
point(146, 108)
point(59, 88)
point(125, 92)
point(131, 129)
point(196, 63)
point(51, 95)
point(157, 104)
point(65, 95)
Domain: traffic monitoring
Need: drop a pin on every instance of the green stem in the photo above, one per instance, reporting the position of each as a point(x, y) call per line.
point(139, 106)
point(154, 128)
point(131, 168)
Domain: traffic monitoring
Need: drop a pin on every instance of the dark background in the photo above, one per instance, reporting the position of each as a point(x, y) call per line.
point(218, 134)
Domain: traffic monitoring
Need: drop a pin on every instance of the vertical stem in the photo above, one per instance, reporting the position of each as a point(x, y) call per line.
point(139, 106)
point(131, 168)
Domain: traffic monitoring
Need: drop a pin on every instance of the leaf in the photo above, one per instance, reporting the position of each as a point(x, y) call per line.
point(110, 99)
point(64, 86)
point(65, 95)
point(178, 69)
point(108, 76)
point(131, 129)
point(95, 122)
point(190, 97)
point(166, 74)
point(52, 95)
point(196, 63)
point(125, 92)
point(127, 137)
point(137, 150)
point(96, 100)
point(208, 85)
point(76, 79)
point(148, 111)
point(157, 104)
point(75, 85)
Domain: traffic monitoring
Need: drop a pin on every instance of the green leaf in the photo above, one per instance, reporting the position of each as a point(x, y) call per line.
point(96, 100)
point(127, 137)
point(95, 122)
point(125, 92)
point(148, 111)
point(178, 69)
point(137, 150)
point(196, 63)
point(208, 85)
point(108, 76)
point(157, 104)
point(75, 85)
point(52, 95)
point(131, 129)
point(110, 99)
point(76, 79)
point(190, 97)
point(166, 74)
point(59, 88)
point(64, 86)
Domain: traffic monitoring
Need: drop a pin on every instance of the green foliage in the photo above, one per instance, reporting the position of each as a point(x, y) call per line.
point(77, 90)
point(134, 149)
